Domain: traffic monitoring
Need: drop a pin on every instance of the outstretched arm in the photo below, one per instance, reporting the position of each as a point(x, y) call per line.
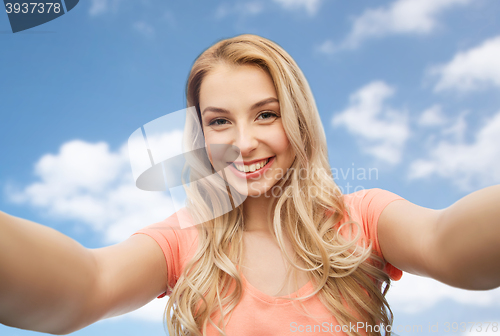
point(458, 245)
point(45, 276)
point(50, 283)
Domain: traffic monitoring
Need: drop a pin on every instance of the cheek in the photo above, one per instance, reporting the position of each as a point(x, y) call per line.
point(278, 141)
point(207, 149)
point(218, 150)
point(218, 144)
point(210, 139)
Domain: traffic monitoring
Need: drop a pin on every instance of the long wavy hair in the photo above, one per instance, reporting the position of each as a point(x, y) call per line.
point(310, 212)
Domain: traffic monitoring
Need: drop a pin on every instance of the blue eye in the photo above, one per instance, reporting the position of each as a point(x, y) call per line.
point(216, 122)
point(268, 115)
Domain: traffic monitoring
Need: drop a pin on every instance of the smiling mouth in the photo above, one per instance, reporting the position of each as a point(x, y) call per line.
point(253, 167)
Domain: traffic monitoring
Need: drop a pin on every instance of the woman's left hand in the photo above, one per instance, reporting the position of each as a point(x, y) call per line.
point(458, 245)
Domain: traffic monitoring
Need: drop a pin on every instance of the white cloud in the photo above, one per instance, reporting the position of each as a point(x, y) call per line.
point(456, 131)
point(327, 47)
point(400, 17)
point(468, 165)
point(151, 312)
point(472, 69)
point(88, 183)
point(239, 9)
point(169, 17)
point(432, 117)
point(311, 6)
point(251, 8)
point(99, 7)
point(144, 28)
point(414, 294)
point(486, 328)
point(382, 131)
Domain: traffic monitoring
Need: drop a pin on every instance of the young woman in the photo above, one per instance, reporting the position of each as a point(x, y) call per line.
point(296, 255)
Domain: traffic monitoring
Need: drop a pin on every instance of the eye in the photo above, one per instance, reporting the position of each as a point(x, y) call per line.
point(267, 115)
point(218, 122)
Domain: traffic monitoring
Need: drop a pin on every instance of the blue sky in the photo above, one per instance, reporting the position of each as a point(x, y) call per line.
point(406, 87)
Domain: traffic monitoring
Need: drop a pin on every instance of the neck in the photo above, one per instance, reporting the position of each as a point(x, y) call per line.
point(255, 214)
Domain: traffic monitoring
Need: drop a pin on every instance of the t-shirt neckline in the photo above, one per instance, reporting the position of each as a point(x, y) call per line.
point(304, 290)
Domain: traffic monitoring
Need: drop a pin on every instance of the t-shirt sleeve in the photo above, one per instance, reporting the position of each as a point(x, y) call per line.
point(370, 203)
point(177, 245)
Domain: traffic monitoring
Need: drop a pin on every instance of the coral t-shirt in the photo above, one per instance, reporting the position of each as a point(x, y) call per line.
point(258, 313)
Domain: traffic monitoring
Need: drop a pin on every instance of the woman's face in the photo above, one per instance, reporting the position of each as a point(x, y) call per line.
point(239, 107)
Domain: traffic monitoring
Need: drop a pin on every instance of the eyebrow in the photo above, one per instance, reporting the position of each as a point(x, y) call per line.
point(254, 106)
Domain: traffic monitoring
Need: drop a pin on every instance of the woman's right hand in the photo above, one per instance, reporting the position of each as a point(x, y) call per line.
point(50, 283)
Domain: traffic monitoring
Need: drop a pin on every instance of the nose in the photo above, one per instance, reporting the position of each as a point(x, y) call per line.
point(246, 141)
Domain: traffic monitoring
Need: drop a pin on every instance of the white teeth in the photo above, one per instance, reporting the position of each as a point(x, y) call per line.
point(252, 167)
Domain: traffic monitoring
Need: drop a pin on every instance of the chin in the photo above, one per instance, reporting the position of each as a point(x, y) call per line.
point(250, 189)
point(260, 189)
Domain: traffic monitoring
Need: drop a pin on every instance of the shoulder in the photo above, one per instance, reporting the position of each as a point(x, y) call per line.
point(179, 220)
point(369, 203)
point(366, 206)
point(368, 195)
point(177, 230)
point(178, 239)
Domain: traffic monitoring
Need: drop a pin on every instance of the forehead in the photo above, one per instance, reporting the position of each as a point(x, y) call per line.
point(235, 85)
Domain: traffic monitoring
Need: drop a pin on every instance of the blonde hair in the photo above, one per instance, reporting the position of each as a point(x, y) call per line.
point(347, 278)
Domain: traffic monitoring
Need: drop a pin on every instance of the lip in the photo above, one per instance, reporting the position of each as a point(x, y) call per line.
point(247, 163)
point(256, 173)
